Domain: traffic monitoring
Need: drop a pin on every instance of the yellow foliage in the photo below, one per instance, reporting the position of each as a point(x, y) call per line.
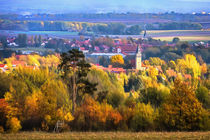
point(64, 115)
point(204, 68)
point(68, 117)
point(32, 60)
point(153, 72)
point(9, 61)
point(31, 104)
point(189, 63)
point(13, 124)
point(117, 59)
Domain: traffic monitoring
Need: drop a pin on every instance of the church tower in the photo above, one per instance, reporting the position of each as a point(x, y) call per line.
point(138, 58)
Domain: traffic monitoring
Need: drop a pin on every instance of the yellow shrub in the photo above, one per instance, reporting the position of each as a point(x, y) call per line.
point(14, 124)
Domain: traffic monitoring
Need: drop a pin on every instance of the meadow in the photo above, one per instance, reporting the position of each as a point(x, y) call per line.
point(108, 135)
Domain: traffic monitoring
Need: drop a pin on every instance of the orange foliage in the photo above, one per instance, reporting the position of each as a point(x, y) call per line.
point(91, 115)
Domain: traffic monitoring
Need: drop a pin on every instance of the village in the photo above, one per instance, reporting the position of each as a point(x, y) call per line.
point(98, 51)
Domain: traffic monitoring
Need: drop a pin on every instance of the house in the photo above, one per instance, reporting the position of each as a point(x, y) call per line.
point(110, 69)
point(83, 50)
point(128, 49)
point(97, 49)
point(3, 67)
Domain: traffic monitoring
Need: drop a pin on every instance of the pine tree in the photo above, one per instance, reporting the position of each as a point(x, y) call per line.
point(75, 70)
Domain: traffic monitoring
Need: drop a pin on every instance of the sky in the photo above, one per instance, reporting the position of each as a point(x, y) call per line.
point(103, 6)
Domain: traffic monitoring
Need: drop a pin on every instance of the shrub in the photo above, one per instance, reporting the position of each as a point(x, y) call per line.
point(13, 125)
point(143, 117)
point(1, 129)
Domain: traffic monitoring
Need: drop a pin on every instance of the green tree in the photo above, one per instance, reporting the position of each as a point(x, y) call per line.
point(143, 118)
point(133, 30)
point(202, 93)
point(22, 40)
point(154, 96)
point(175, 40)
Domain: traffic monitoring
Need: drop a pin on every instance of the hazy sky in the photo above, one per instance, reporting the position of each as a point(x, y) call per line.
point(81, 6)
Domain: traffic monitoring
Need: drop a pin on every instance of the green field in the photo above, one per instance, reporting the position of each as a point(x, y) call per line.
point(108, 136)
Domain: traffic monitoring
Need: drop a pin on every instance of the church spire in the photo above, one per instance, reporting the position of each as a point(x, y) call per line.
point(138, 50)
point(138, 58)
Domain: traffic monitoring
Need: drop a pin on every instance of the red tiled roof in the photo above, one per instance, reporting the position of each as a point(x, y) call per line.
point(2, 65)
point(82, 48)
point(18, 63)
point(128, 48)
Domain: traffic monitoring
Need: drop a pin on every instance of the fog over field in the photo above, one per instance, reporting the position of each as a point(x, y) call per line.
point(93, 6)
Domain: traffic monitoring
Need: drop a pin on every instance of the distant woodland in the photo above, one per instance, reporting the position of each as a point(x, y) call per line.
point(98, 28)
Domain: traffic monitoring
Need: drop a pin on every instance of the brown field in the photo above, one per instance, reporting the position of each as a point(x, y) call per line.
point(185, 38)
point(108, 136)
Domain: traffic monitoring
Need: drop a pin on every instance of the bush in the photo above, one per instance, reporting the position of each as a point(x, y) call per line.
point(13, 125)
point(143, 118)
point(115, 99)
point(1, 129)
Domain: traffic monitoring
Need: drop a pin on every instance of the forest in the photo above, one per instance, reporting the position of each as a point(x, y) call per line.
point(68, 88)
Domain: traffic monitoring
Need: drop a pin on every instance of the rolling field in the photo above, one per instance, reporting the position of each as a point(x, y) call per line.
point(167, 35)
point(185, 38)
point(184, 35)
point(108, 136)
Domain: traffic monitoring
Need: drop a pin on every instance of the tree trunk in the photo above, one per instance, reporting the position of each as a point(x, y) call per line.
point(74, 94)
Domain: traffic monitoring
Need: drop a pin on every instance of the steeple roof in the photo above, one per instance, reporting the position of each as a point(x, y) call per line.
point(138, 49)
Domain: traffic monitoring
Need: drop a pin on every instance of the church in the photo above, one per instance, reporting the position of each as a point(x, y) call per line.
point(138, 58)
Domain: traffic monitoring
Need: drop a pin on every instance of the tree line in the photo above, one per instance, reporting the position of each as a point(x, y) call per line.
point(86, 98)
point(115, 28)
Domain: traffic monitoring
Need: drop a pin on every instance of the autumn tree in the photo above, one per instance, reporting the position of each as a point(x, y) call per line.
point(182, 110)
point(35, 97)
point(189, 65)
point(6, 80)
point(117, 60)
point(92, 115)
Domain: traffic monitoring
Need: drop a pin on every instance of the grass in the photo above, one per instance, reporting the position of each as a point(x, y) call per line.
point(185, 38)
point(108, 136)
